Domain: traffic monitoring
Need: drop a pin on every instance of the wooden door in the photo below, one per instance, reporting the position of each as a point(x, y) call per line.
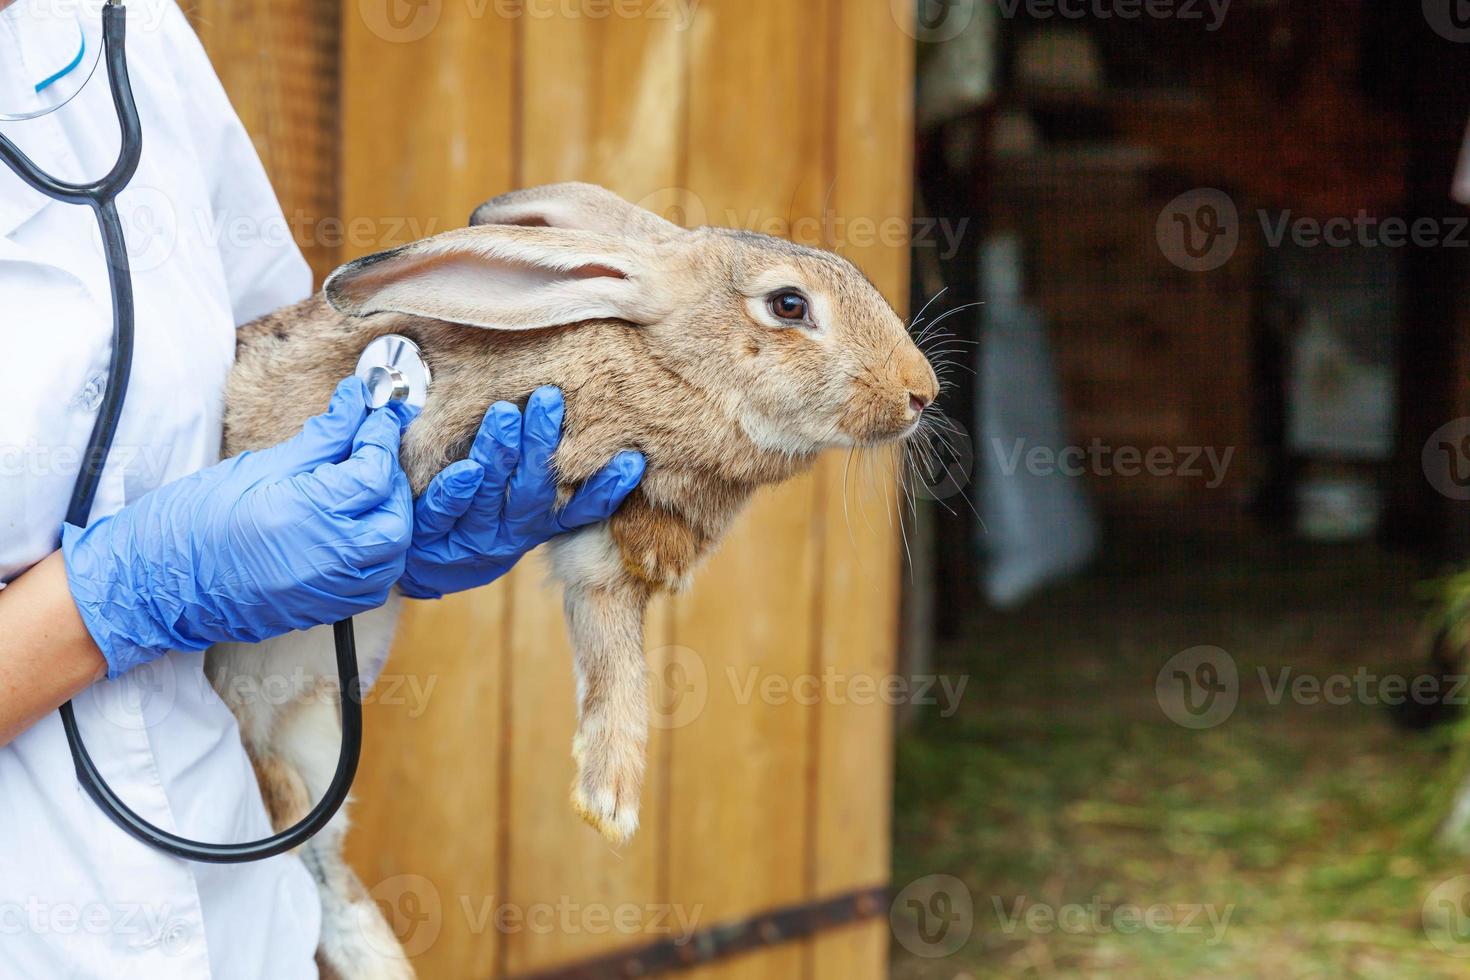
point(792, 119)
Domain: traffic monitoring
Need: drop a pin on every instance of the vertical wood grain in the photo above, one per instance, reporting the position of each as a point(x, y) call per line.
point(860, 564)
point(427, 133)
point(739, 779)
point(428, 122)
point(603, 102)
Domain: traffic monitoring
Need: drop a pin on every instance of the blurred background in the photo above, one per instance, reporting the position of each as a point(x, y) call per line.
point(1203, 581)
point(1148, 662)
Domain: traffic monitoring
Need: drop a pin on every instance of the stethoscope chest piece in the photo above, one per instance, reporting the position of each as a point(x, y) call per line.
point(393, 368)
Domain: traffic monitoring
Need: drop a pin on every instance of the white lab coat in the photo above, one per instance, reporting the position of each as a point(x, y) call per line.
point(78, 897)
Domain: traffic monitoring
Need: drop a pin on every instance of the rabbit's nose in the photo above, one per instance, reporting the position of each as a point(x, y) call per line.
point(917, 403)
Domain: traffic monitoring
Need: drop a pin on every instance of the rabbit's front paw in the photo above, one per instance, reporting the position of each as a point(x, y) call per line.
point(609, 780)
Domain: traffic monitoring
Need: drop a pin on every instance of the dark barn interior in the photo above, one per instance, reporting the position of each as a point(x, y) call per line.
point(1218, 419)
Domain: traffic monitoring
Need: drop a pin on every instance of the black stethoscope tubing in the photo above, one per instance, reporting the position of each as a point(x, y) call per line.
point(101, 197)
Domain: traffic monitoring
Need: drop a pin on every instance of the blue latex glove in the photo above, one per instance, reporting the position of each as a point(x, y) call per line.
point(301, 534)
point(481, 514)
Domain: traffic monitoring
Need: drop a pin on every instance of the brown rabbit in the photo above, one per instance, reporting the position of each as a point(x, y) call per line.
point(729, 359)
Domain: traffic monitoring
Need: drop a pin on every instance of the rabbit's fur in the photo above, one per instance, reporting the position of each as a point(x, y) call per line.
point(662, 340)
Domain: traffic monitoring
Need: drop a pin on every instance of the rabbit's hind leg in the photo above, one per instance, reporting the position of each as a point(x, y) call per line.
point(604, 612)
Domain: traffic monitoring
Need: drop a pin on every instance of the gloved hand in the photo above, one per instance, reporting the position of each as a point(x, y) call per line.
point(481, 514)
point(304, 533)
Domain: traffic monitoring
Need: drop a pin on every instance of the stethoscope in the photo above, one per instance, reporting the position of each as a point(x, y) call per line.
point(388, 369)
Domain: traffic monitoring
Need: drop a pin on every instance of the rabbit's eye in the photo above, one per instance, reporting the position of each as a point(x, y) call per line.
point(788, 305)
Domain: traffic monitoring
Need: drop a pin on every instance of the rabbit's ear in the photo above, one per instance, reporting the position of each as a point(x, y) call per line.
point(505, 278)
point(575, 205)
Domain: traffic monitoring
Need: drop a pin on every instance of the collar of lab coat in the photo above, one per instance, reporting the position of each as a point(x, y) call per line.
point(41, 138)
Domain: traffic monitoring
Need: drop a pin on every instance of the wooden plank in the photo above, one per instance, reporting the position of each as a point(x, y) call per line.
point(612, 86)
point(860, 563)
point(424, 833)
point(860, 560)
point(739, 774)
point(428, 122)
point(278, 60)
point(427, 133)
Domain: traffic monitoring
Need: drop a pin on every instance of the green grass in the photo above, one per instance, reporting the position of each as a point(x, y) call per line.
point(1060, 780)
